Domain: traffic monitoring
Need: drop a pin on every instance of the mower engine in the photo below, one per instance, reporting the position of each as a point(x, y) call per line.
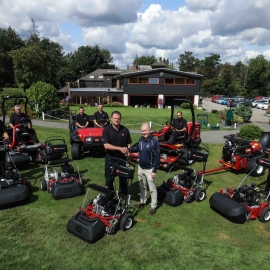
point(185, 179)
point(248, 195)
point(105, 206)
point(228, 150)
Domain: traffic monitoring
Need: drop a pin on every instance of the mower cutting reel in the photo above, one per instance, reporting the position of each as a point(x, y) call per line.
point(107, 211)
point(243, 203)
point(66, 183)
point(186, 186)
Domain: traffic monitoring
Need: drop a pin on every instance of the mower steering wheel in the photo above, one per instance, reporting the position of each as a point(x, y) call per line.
point(24, 121)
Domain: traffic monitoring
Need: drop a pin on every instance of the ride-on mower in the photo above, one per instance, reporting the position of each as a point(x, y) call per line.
point(14, 189)
point(66, 183)
point(25, 150)
point(186, 186)
point(107, 211)
point(84, 140)
point(171, 154)
point(243, 203)
point(238, 155)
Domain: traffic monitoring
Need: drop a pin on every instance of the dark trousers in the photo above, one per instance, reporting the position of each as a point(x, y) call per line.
point(31, 132)
point(123, 182)
point(174, 136)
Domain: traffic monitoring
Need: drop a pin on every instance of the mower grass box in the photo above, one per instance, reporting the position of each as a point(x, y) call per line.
point(16, 194)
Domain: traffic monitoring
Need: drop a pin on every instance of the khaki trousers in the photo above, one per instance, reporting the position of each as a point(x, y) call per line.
point(144, 177)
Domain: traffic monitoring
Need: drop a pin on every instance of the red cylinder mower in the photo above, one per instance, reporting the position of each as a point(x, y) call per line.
point(243, 203)
point(238, 155)
point(107, 211)
point(186, 186)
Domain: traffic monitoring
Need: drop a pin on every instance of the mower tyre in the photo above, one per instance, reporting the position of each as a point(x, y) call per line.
point(43, 184)
point(29, 186)
point(259, 171)
point(265, 215)
point(75, 151)
point(126, 222)
point(200, 195)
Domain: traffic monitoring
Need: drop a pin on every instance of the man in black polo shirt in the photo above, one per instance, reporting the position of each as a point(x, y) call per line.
point(116, 139)
point(81, 119)
point(179, 127)
point(101, 118)
point(16, 118)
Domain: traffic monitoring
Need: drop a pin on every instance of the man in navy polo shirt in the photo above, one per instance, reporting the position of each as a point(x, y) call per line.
point(116, 139)
point(101, 118)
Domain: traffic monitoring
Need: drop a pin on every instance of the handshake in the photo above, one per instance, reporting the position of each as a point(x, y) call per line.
point(124, 150)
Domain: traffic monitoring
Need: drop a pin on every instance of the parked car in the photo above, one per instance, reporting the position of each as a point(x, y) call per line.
point(245, 102)
point(262, 104)
point(224, 101)
point(219, 100)
point(265, 106)
point(256, 102)
point(215, 97)
point(234, 103)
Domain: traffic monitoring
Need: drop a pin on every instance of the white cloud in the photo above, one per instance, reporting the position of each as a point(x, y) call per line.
point(235, 29)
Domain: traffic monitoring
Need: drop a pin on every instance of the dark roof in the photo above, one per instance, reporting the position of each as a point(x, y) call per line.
point(159, 64)
point(138, 72)
point(63, 89)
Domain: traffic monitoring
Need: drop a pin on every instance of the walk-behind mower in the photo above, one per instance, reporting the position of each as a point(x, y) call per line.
point(25, 148)
point(240, 155)
point(85, 140)
point(14, 189)
point(245, 202)
point(186, 186)
point(107, 211)
point(171, 154)
point(66, 183)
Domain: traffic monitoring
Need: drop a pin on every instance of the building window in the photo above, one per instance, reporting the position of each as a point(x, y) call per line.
point(143, 80)
point(153, 81)
point(169, 81)
point(91, 76)
point(180, 81)
point(133, 80)
point(100, 77)
point(190, 81)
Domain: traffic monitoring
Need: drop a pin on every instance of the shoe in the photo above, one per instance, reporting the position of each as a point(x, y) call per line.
point(152, 211)
point(139, 205)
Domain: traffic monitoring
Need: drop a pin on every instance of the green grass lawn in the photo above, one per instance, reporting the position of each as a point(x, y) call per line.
point(190, 236)
point(134, 117)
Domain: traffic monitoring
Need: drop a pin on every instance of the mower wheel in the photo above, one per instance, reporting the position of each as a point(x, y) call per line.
point(200, 195)
point(265, 215)
point(126, 222)
point(75, 151)
point(259, 171)
point(29, 186)
point(43, 184)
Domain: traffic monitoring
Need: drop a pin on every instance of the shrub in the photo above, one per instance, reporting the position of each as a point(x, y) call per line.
point(250, 132)
point(114, 104)
point(214, 111)
point(244, 111)
point(186, 105)
point(45, 94)
point(237, 119)
point(32, 114)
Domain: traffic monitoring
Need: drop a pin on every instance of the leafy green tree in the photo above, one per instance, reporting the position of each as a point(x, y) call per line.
point(88, 59)
point(258, 74)
point(187, 62)
point(28, 64)
point(241, 71)
point(147, 60)
point(53, 61)
point(210, 66)
point(9, 41)
point(45, 94)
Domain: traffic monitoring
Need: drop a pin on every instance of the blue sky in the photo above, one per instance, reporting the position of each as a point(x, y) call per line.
point(237, 30)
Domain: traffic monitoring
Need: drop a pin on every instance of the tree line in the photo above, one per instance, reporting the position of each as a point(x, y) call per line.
point(24, 62)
